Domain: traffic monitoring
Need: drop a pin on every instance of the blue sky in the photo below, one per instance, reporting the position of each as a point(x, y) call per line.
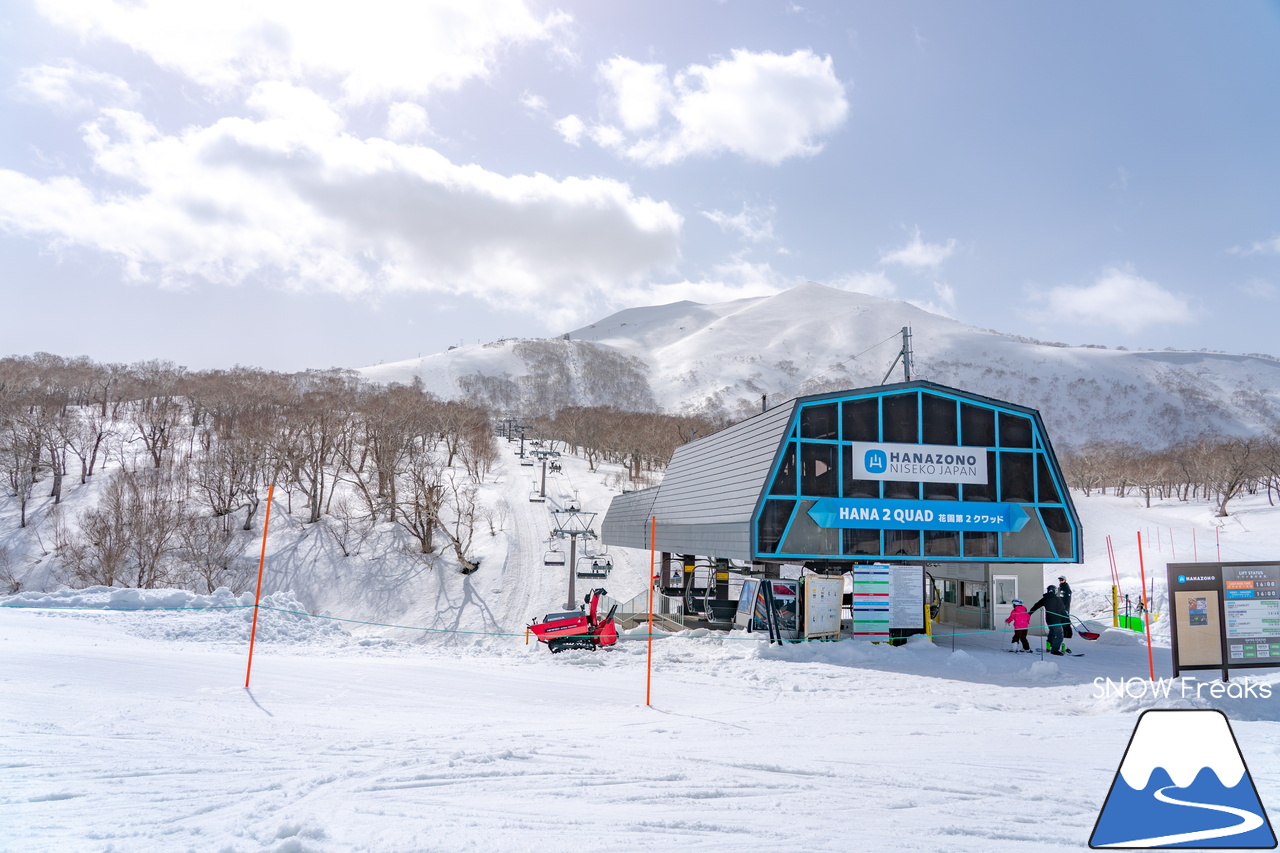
point(264, 183)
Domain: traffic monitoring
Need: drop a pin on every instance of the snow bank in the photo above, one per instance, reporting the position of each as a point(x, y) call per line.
point(178, 615)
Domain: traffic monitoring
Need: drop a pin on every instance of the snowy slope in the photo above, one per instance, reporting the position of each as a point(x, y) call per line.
point(726, 356)
point(438, 729)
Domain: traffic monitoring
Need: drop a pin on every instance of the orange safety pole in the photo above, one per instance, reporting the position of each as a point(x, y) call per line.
point(1146, 607)
point(648, 678)
point(262, 561)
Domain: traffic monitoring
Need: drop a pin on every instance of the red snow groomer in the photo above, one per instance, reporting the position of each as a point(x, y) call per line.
point(578, 630)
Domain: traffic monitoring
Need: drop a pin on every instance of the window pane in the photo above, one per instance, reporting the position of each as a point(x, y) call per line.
point(939, 418)
point(818, 421)
point(1046, 491)
point(902, 490)
point(941, 543)
point(941, 491)
point(901, 418)
point(1015, 430)
point(950, 591)
point(977, 426)
point(862, 542)
point(1059, 527)
point(1016, 486)
point(785, 481)
point(862, 420)
point(980, 545)
point(857, 488)
point(806, 537)
point(773, 521)
point(982, 491)
point(902, 542)
point(818, 470)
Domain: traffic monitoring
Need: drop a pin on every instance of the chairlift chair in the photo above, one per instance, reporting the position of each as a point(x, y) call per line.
point(535, 497)
point(598, 566)
point(554, 558)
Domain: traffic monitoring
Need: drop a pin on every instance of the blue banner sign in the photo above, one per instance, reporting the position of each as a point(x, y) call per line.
point(918, 515)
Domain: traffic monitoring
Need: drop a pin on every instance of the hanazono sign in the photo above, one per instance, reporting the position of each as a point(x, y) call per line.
point(919, 463)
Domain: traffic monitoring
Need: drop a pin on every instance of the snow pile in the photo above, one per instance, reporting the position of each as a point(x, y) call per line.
point(178, 615)
point(1120, 637)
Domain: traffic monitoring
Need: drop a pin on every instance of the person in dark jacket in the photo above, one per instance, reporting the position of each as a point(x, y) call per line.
point(1064, 592)
point(1055, 617)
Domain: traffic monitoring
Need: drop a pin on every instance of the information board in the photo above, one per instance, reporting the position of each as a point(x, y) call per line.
point(1252, 600)
point(822, 601)
point(871, 601)
point(1226, 615)
point(906, 598)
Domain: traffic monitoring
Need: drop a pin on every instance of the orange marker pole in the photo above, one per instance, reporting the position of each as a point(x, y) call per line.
point(262, 561)
point(1146, 607)
point(648, 678)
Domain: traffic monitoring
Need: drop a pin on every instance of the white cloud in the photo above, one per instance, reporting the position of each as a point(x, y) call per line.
point(1118, 299)
point(918, 255)
point(406, 121)
point(71, 87)
point(378, 50)
point(571, 128)
point(944, 302)
point(1262, 247)
point(752, 223)
point(874, 283)
point(641, 92)
point(1258, 288)
point(736, 278)
point(293, 199)
point(533, 103)
point(761, 106)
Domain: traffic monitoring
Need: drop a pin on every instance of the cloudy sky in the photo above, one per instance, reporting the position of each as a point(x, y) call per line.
point(298, 184)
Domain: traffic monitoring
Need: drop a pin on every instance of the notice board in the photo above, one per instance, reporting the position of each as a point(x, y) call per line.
point(1226, 615)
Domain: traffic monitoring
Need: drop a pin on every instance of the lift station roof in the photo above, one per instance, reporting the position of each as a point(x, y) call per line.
point(907, 472)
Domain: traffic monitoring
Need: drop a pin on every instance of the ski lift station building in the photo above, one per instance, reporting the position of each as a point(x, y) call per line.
point(911, 473)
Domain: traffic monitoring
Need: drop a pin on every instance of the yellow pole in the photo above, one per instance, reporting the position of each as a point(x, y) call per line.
point(1115, 606)
point(928, 623)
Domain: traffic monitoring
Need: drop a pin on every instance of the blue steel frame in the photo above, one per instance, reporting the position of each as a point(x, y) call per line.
point(1040, 450)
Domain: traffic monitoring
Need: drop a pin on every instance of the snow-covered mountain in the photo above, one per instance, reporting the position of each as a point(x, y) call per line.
point(686, 357)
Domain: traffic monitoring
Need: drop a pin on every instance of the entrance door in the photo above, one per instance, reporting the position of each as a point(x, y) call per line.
point(1004, 589)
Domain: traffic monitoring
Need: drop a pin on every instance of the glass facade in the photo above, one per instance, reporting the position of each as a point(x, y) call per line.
point(817, 466)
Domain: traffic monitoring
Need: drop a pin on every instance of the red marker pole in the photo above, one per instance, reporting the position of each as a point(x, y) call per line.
point(1146, 606)
point(648, 678)
point(262, 561)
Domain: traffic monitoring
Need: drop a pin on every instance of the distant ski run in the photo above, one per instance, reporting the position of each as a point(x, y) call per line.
point(1250, 821)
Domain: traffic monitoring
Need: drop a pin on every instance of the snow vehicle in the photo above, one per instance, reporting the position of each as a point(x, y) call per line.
point(576, 629)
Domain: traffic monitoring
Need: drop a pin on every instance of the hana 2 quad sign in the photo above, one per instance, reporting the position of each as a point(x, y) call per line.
point(919, 463)
point(917, 515)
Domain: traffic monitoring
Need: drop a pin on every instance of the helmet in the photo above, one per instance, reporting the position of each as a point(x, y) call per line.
point(1017, 602)
point(1051, 588)
point(1062, 577)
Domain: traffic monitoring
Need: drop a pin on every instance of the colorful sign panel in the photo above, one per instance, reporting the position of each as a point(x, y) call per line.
point(919, 463)
point(1253, 613)
point(1226, 615)
point(918, 515)
point(871, 602)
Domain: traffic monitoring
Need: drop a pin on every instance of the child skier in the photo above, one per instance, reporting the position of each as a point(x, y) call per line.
point(1021, 620)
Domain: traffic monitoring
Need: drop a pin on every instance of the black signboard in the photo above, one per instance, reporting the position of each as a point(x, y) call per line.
point(1224, 615)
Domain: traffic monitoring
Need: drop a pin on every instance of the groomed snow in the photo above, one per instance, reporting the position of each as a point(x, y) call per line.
point(128, 728)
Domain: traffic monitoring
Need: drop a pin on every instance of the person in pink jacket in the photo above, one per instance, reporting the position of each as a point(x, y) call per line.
point(1021, 620)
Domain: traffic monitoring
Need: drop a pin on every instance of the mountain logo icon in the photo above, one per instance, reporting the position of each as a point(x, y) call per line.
point(1183, 783)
